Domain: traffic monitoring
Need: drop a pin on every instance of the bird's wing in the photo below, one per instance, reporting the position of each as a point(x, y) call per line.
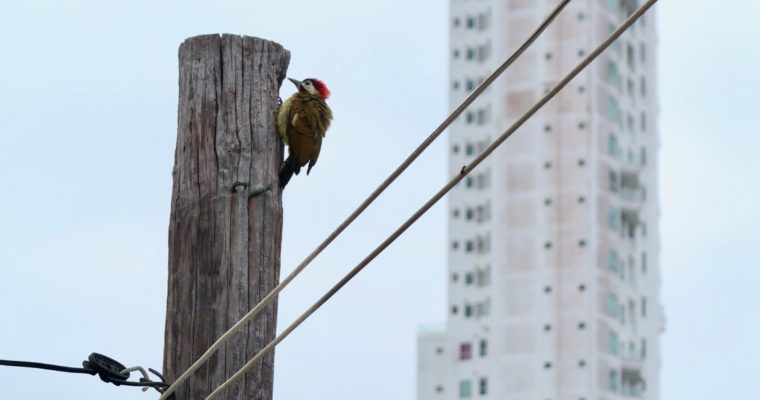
point(283, 119)
point(314, 155)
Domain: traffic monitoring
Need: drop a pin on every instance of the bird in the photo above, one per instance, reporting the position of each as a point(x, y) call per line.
point(302, 122)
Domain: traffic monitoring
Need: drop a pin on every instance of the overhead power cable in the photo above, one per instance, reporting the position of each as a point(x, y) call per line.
point(465, 170)
point(369, 200)
point(108, 369)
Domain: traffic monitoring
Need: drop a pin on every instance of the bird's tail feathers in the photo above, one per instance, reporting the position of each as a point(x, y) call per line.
point(289, 167)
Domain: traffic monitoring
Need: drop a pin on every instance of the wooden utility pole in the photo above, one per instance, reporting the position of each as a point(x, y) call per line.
point(225, 228)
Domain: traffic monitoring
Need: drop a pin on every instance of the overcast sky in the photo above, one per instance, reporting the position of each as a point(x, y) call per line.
point(88, 98)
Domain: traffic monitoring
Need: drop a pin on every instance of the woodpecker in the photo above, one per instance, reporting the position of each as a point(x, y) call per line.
point(302, 122)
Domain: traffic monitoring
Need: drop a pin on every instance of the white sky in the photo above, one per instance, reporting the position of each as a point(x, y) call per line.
point(88, 93)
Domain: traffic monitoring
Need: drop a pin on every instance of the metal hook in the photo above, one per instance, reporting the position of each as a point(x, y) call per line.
point(145, 377)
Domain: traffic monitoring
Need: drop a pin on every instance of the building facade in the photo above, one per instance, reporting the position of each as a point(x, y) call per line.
point(553, 275)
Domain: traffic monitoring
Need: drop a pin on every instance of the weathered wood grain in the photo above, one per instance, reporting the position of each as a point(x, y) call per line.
point(224, 247)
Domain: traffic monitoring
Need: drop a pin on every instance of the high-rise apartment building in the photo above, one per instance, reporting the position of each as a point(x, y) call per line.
point(553, 275)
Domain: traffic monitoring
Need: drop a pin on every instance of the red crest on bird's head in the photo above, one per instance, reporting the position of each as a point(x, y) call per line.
point(321, 87)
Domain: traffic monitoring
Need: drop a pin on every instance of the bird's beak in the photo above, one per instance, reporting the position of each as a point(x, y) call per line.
point(295, 82)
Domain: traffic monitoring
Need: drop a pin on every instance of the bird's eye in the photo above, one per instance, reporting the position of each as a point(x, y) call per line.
point(307, 83)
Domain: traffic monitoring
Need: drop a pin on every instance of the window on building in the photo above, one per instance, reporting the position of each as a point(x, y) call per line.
point(581, 325)
point(465, 351)
point(469, 117)
point(468, 182)
point(547, 328)
point(455, 149)
point(613, 380)
point(630, 57)
point(483, 243)
point(643, 121)
point(468, 278)
point(457, 21)
point(470, 53)
point(547, 128)
point(612, 145)
point(483, 115)
point(483, 212)
point(455, 85)
point(484, 51)
point(439, 350)
point(581, 162)
point(465, 389)
point(548, 56)
point(454, 277)
point(613, 306)
point(643, 307)
point(438, 388)
point(581, 363)
point(643, 86)
point(470, 85)
point(455, 245)
point(484, 21)
point(643, 155)
point(456, 53)
point(483, 276)
point(582, 243)
point(483, 386)
point(483, 309)
point(581, 287)
point(483, 347)
point(547, 201)
point(454, 310)
point(643, 348)
point(547, 289)
point(547, 365)
point(612, 5)
point(469, 246)
point(612, 260)
point(612, 342)
point(614, 219)
point(642, 52)
point(613, 75)
point(469, 214)
point(643, 263)
point(468, 310)
point(581, 199)
point(471, 22)
point(613, 179)
point(613, 110)
point(548, 245)
point(547, 165)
